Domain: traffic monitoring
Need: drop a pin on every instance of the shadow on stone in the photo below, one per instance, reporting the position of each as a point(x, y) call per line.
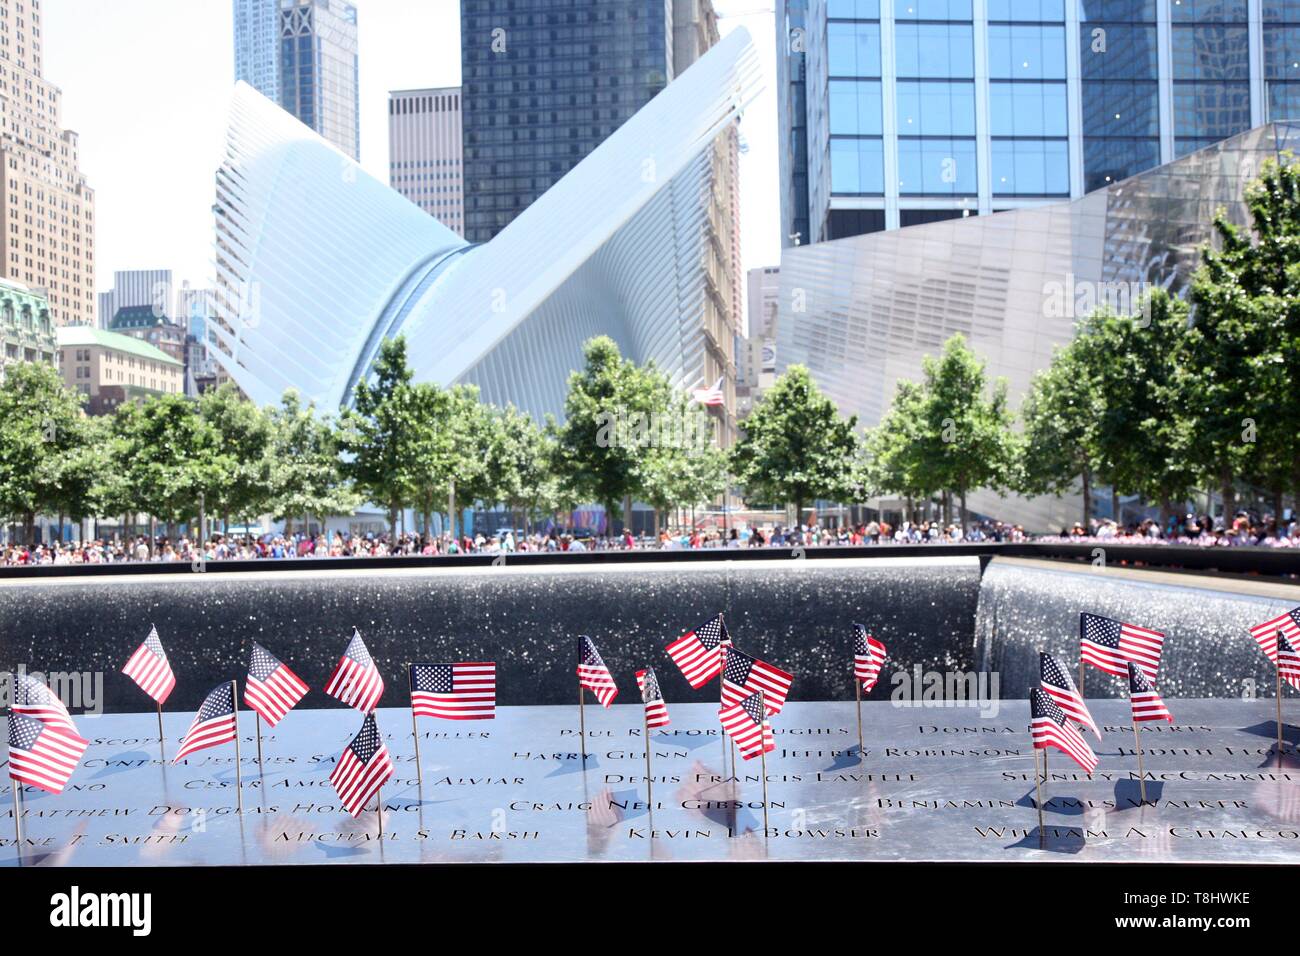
point(1128, 794)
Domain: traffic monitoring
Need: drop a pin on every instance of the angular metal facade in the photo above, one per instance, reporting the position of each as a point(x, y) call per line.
point(317, 262)
point(861, 313)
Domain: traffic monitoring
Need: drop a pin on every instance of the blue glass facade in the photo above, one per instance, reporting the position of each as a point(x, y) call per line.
point(544, 82)
point(975, 106)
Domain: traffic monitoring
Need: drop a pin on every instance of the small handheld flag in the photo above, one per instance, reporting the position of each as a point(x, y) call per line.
point(593, 674)
point(1265, 635)
point(363, 767)
point(1288, 661)
point(272, 689)
point(698, 653)
point(1056, 681)
point(149, 669)
point(34, 699)
point(1109, 645)
point(459, 691)
point(747, 725)
point(710, 396)
point(656, 710)
point(214, 724)
point(1048, 728)
point(743, 675)
point(868, 658)
point(41, 754)
point(356, 680)
point(1146, 703)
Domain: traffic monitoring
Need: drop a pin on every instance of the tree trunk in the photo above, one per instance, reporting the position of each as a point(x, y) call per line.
point(1114, 504)
point(1277, 507)
point(153, 534)
point(1085, 479)
point(451, 508)
point(962, 492)
point(1229, 496)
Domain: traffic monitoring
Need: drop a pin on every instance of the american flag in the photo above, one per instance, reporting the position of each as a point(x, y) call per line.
point(148, 667)
point(743, 675)
point(1288, 661)
point(868, 657)
point(460, 691)
point(1056, 681)
point(34, 699)
point(41, 754)
point(1146, 703)
point(593, 674)
point(363, 767)
point(1048, 728)
point(214, 724)
point(745, 722)
point(710, 396)
point(698, 654)
point(1109, 645)
point(1265, 634)
point(656, 710)
point(356, 680)
point(272, 689)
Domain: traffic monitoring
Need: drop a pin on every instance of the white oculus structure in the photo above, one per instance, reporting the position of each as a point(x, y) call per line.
point(317, 262)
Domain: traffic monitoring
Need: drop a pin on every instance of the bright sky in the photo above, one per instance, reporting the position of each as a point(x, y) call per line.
point(146, 85)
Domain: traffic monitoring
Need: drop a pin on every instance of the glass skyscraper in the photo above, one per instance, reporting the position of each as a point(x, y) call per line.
point(302, 54)
point(920, 110)
point(544, 82)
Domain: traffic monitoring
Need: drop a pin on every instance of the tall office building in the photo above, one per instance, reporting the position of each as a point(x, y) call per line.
point(544, 83)
point(47, 211)
point(302, 54)
point(424, 152)
point(547, 81)
point(921, 110)
point(136, 287)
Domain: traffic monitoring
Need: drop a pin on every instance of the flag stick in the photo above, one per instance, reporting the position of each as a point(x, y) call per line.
point(762, 754)
point(857, 686)
point(1080, 678)
point(582, 714)
point(415, 730)
point(257, 719)
point(649, 784)
point(1038, 792)
point(16, 787)
point(1044, 766)
point(379, 809)
point(239, 780)
point(1279, 710)
point(1142, 777)
point(161, 750)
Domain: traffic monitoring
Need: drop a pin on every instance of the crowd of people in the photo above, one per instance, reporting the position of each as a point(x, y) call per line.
point(1196, 530)
point(1244, 530)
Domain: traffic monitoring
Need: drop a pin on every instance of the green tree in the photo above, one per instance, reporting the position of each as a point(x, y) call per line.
point(240, 465)
point(608, 401)
point(40, 435)
point(796, 447)
point(1143, 435)
point(381, 432)
point(1245, 341)
point(166, 454)
point(893, 461)
point(967, 442)
point(679, 464)
point(306, 476)
point(1060, 413)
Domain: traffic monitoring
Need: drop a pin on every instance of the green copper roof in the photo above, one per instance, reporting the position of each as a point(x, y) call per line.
point(85, 335)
